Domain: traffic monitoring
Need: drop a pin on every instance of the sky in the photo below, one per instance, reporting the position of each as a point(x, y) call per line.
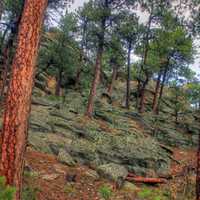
point(195, 66)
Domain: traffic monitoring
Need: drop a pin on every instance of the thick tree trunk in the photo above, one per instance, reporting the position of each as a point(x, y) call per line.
point(58, 83)
point(114, 75)
point(128, 76)
point(198, 172)
point(155, 99)
point(97, 74)
point(15, 121)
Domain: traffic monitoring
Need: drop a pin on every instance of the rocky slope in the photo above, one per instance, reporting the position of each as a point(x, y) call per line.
point(115, 138)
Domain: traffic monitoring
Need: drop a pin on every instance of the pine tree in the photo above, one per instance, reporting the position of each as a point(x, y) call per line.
point(15, 121)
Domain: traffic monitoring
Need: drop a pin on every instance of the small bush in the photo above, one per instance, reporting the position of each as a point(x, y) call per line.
point(69, 188)
point(29, 193)
point(152, 194)
point(145, 193)
point(6, 192)
point(105, 192)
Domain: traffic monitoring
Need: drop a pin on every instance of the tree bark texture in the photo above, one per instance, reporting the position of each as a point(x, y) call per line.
point(198, 172)
point(128, 76)
point(98, 64)
point(95, 83)
point(161, 89)
point(155, 99)
point(17, 110)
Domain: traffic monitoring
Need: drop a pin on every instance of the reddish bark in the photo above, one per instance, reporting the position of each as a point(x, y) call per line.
point(97, 74)
point(17, 110)
point(198, 173)
point(94, 84)
point(139, 179)
point(114, 75)
point(155, 99)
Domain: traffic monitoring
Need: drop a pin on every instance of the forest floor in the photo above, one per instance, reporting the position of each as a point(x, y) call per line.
point(46, 179)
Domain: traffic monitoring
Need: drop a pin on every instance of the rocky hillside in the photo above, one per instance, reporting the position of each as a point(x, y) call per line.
point(115, 143)
point(140, 144)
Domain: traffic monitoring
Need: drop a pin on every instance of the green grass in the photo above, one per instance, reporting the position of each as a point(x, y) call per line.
point(29, 193)
point(149, 194)
point(105, 192)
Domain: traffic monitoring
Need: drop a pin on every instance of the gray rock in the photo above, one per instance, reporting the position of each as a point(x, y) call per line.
point(50, 177)
point(112, 171)
point(130, 187)
point(65, 158)
point(92, 174)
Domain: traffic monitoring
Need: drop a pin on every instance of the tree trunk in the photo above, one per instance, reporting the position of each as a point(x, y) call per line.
point(146, 50)
point(1, 8)
point(97, 74)
point(142, 100)
point(128, 76)
point(58, 83)
point(198, 172)
point(95, 82)
point(17, 110)
point(161, 89)
point(82, 54)
point(155, 99)
point(114, 75)
point(78, 77)
point(7, 53)
point(6, 63)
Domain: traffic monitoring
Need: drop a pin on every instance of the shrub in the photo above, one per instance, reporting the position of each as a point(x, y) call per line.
point(6, 192)
point(29, 193)
point(105, 192)
point(145, 193)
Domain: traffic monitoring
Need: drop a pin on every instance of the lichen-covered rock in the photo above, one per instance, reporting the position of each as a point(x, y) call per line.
point(113, 138)
point(112, 171)
point(92, 174)
point(50, 177)
point(65, 158)
point(130, 187)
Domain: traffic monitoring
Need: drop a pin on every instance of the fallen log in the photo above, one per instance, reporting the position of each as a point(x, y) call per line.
point(139, 179)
